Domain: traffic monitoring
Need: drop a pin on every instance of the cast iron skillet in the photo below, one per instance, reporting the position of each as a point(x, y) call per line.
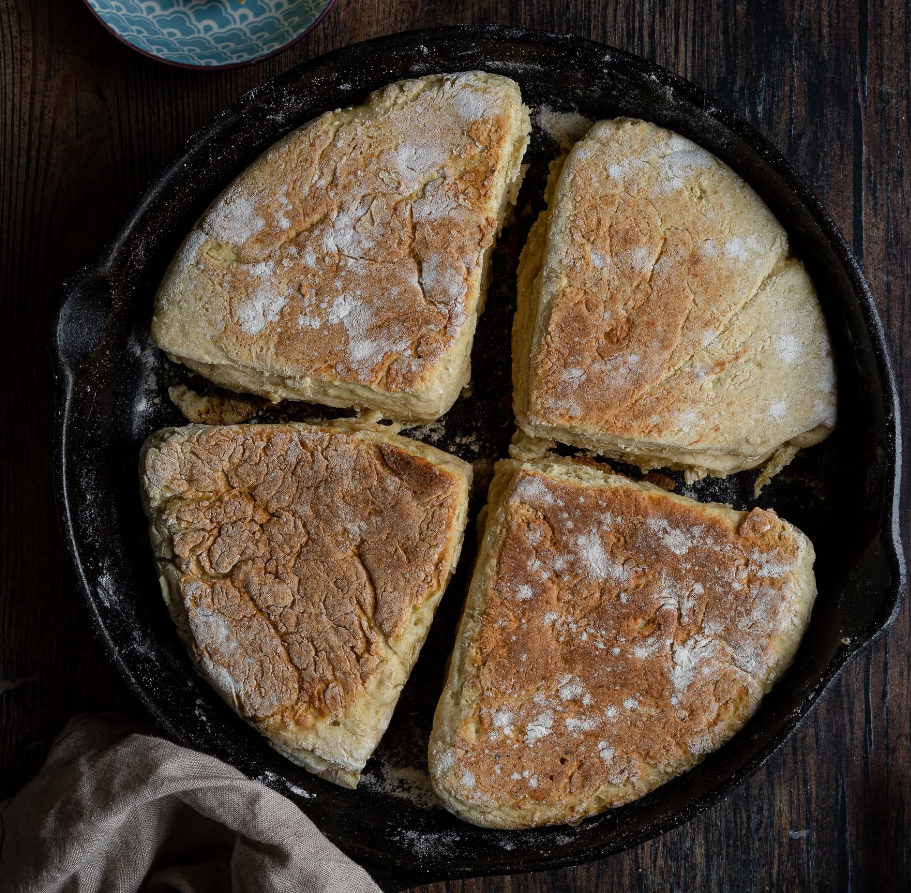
point(112, 392)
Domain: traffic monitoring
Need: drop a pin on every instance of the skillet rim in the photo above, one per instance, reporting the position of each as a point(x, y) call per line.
point(99, 274)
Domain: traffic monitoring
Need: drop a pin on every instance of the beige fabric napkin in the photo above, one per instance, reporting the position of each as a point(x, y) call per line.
point(115, 810)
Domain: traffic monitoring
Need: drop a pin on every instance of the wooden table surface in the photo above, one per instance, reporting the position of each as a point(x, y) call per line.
point(85, 123)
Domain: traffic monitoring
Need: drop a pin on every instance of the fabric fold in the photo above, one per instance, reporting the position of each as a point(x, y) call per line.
point(117, 809)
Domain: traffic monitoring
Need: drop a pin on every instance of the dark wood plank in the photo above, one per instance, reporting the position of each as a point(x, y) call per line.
point(85, 123)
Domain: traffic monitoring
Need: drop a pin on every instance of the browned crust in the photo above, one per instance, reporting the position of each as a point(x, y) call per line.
point(613, 635)
point(661, 317)
point(302, 565)
point(347, 264)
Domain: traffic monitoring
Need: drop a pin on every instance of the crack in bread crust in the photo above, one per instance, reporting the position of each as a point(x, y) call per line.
point(303, 565)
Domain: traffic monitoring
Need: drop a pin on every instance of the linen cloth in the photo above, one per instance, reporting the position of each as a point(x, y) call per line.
point(117, 810)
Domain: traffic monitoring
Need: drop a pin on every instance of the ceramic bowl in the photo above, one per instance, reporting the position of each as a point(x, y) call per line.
point(209, 33)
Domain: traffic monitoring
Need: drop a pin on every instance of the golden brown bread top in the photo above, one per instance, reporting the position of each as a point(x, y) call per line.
point(299, 551)
point(618, 632)
point(668, 307)
point(351, 250)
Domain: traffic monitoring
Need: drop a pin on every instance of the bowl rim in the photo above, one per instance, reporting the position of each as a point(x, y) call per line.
point(222, 66)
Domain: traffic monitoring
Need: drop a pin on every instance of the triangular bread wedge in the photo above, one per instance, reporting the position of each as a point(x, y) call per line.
point(348, 264)
point(613, 635)
point(302, 565)
point(661, 318)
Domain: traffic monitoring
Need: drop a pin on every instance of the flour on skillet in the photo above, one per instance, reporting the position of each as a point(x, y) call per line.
point(148, 360)
point(429, 845)
point(402, 782)
point(564, 128)
point(273, 780)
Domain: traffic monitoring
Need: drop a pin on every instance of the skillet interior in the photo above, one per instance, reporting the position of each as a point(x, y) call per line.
point(112, 392)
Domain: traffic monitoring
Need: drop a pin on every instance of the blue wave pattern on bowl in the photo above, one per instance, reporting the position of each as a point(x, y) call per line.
point(208, 32)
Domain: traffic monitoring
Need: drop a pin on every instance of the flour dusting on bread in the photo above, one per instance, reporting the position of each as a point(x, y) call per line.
point(302, 565)
point(347, 265)
point(661, 316)
point(613, 635)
